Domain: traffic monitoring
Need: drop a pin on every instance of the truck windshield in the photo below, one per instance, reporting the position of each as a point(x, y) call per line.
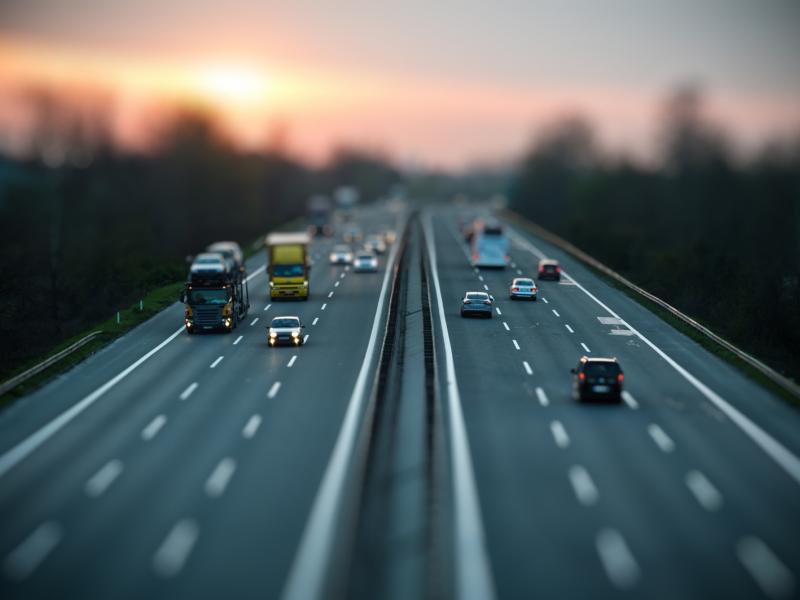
point(218, 296)
point(288, 271)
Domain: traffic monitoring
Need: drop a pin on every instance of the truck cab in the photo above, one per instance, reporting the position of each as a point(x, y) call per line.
point(214, 299)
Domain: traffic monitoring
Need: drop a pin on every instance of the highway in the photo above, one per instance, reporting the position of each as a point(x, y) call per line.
point(177, 466)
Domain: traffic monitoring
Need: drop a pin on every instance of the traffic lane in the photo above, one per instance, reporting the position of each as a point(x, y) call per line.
point(174, 485)
point(772, 414)
point(498, 463)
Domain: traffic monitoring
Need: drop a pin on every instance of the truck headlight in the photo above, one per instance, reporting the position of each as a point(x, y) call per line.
point(271, 284)
point(305, 283)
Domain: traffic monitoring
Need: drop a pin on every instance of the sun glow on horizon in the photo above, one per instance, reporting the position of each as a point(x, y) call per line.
point(232, 85)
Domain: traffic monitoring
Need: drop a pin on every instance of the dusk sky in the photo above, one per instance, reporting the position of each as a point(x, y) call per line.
point(441, 83)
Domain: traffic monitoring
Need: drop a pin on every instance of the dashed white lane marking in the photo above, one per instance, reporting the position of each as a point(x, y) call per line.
point(330, 295)
point(516, 345)
point(555, 312)
point(519, 271)
point(513, 265)
point(100, 481)
point(314, 322)
point(570, 329)
point(480, 277)
point(661, 439)
point(527, 367)
point(542, 397)
point(216, 362)
point(498, 311)
point(585, 347)
point(506, 326)
point(336, 284)
point(486, 287)
point(188, 391)
point(238, 339)
point(630, 400)
point(149, 432)
point(273, 391)
point(26, 557)
point(254, 321)
point(583, 486)
point(545, 301)
point(323, 306)
point(347, 268)
point(559, 434)
point(252, 425)
point(342, 275)
point(618, 562)
point(219, 478)
point(291, 361)
point(267, 306)
point(305, 338)
point(175, 549)
point(771, 575)
point(703, 490)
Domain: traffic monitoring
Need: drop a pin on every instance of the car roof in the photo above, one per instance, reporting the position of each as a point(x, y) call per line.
point(477, 292)
point(598, 359)
point(286, 317)
point(548, 261)
point(521, 278)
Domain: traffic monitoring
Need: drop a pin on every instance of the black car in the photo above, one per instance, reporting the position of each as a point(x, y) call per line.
point(549, 269)
point(477, 303)
point(597, 379)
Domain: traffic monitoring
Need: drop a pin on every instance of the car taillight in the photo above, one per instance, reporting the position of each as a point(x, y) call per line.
point(620, 377)
point(581, 376)
point(558, 269)
point(514, 289)
point(541, 269)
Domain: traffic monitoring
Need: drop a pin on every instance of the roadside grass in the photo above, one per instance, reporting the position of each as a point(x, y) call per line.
point(683, 327)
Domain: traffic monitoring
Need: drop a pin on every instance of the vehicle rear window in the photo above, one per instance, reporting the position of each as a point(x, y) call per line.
point(524, 282)
point(477, 296)
point(601, 369)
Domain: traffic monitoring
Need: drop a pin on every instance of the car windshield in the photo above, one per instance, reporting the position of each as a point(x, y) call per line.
point(207, 260)
point(601, 369)
point(341, 249)
point(285, 322)
point(477, 296)
point(218, 296)
point(364, 256)
point(288, 270)
point(525, 282)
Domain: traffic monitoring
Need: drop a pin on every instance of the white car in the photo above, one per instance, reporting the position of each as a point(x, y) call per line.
point(375, 243)
point(341, 255)
point(285, 330)
point(523, 287)
point(231, 251)
point(365, 262)
point(209, 263)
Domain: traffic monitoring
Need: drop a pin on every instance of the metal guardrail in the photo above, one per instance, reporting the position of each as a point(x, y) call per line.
point(10, 384)
point(770, 373)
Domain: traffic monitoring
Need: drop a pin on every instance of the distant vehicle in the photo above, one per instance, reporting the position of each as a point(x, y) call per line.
point(597, 379)
point(214, 297)
point(351, 234)
point(549, 269)
point(389, 237)
point(365, 262)
point(319, 212)
point(489, 245)
point(285, 330)
point(523, 287)
point(375, 243)
point(477, 303)
point(231, 251)
point(341, 255)
point(288, 265)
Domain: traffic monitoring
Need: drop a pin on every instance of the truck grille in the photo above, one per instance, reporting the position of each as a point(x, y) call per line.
point(207, 316)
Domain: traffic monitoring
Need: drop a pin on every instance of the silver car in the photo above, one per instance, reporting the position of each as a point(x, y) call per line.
point(285, 330)
point(365, 262)
point(375, 243)
point(523, 287)
point(477, 303)
point(341, 255)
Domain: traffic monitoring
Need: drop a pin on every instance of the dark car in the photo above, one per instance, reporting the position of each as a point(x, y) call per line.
point(477, 303)
point(597, 379)
point(549, 269)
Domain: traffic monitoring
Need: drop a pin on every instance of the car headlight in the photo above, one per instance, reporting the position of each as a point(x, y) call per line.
point(296, 333)
point(273, 334)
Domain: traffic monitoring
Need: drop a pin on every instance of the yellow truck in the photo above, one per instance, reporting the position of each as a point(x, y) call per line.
point(288, 265)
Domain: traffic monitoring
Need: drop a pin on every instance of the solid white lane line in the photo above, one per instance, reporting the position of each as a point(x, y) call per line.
point(585, 347)
point(771, 575)
point(175, 549)
point(545, 301)
point(617, 560)
point(188, 391)
point(15, 455)
point(583, 486)
point(267, 306)
point(703, 490)
point(314, 322)
point(555, 312)
point(569, 328)
point(628, 398)
point(219, 478)
point(506, 326)
point(559, 434)
point(153, 427)
point(305, 338)
point(661, 439)
point(516, 345)
point(527, 367)
point(323, 306)
point(26, 557)
point(100, 481)
point(788, 461)
point(273, 391)
point(291, 361)
point(542, 397)
point(486, 287)
point(216, 362)
point(256, 273)
point(307, 576)
point(254, 321)
point(252, 425)
point(238, 339)
point(498, 311)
